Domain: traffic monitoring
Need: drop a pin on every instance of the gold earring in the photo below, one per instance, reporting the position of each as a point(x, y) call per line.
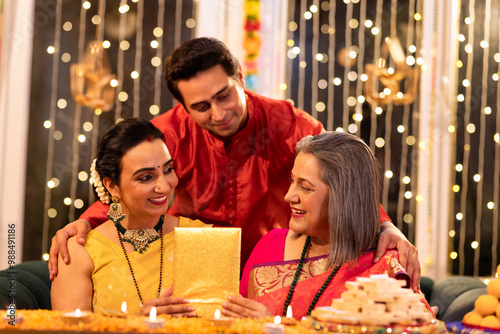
point(115, 212)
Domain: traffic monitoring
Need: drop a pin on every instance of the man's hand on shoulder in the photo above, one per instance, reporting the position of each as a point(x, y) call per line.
point(392, 238)
point(80, 228)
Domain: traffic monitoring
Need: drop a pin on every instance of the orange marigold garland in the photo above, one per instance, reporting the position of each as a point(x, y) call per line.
point(251, 43)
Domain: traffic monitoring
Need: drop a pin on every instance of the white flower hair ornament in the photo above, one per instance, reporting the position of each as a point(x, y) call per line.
point(95, 178)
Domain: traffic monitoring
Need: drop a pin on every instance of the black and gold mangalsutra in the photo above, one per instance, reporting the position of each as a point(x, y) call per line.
point(158, 229)
point(296, 278)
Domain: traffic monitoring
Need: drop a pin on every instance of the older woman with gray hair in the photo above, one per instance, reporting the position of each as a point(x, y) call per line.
point(334, 199)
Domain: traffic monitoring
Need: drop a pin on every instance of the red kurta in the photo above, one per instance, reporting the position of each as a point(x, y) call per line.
point(237, 182)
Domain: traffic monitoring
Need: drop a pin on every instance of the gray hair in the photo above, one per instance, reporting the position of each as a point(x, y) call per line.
point(350, 170)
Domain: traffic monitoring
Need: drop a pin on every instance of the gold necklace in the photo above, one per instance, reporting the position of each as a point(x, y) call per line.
point(139, 238)
point(130, 266)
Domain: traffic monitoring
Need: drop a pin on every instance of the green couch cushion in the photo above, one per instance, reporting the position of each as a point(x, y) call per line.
point(24, 299)
point(39, 268)
point(32, 285)
point(462, 305)
point(447, 290)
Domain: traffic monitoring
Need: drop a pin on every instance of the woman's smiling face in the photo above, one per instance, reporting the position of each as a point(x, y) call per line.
point(308, 198)
point(147, 180)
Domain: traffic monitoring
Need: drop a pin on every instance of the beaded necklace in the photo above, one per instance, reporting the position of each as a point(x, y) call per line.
point(296, 278)
point(160, 223)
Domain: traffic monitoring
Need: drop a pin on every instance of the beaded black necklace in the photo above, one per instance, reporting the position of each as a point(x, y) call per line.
point(296, 277)
point(160, 230)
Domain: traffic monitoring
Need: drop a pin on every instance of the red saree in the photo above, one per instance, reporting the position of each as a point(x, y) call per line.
point(267, 278)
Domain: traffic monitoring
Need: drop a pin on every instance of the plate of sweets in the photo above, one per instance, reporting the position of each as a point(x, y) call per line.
point(377, 304)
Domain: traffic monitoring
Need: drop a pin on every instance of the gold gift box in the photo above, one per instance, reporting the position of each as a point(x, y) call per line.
point(206, 266)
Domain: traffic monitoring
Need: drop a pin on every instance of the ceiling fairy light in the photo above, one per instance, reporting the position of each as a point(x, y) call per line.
point(391, 79)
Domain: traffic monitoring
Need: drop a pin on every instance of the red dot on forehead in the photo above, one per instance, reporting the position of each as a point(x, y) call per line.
point(148, 139)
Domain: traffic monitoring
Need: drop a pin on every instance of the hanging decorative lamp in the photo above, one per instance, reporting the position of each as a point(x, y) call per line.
point(92, 83)
point(383, 84)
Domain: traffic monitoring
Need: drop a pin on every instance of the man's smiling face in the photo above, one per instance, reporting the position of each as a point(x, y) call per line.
point(216, 101)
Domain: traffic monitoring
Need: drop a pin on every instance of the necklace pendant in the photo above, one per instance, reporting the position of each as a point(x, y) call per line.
point(140, 239)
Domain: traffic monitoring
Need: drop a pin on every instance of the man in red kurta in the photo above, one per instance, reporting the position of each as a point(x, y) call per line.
point(233, 150)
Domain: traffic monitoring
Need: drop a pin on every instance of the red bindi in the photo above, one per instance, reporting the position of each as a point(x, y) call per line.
point(148, 139)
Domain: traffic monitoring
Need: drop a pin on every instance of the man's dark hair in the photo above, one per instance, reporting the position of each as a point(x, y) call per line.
point(198, 55)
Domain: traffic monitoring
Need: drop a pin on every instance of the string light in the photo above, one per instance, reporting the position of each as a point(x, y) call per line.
point(379, 142)
point(158, 32)
point(87, 126)
point(410, 140)
point(154, 109)
point(315, 64)
point(408, 218)
point(496, 178)
point(124, 45)
point(78, 203)
point(332, 9)
point(55, 49)
point(389, 113)
point(58, 135)
point(156, 60)
point(52, 213)
point(83, 176)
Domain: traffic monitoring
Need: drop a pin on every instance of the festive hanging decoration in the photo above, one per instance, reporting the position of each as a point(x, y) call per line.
point(91, 80)
point(251, 43)
point(391, 79)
